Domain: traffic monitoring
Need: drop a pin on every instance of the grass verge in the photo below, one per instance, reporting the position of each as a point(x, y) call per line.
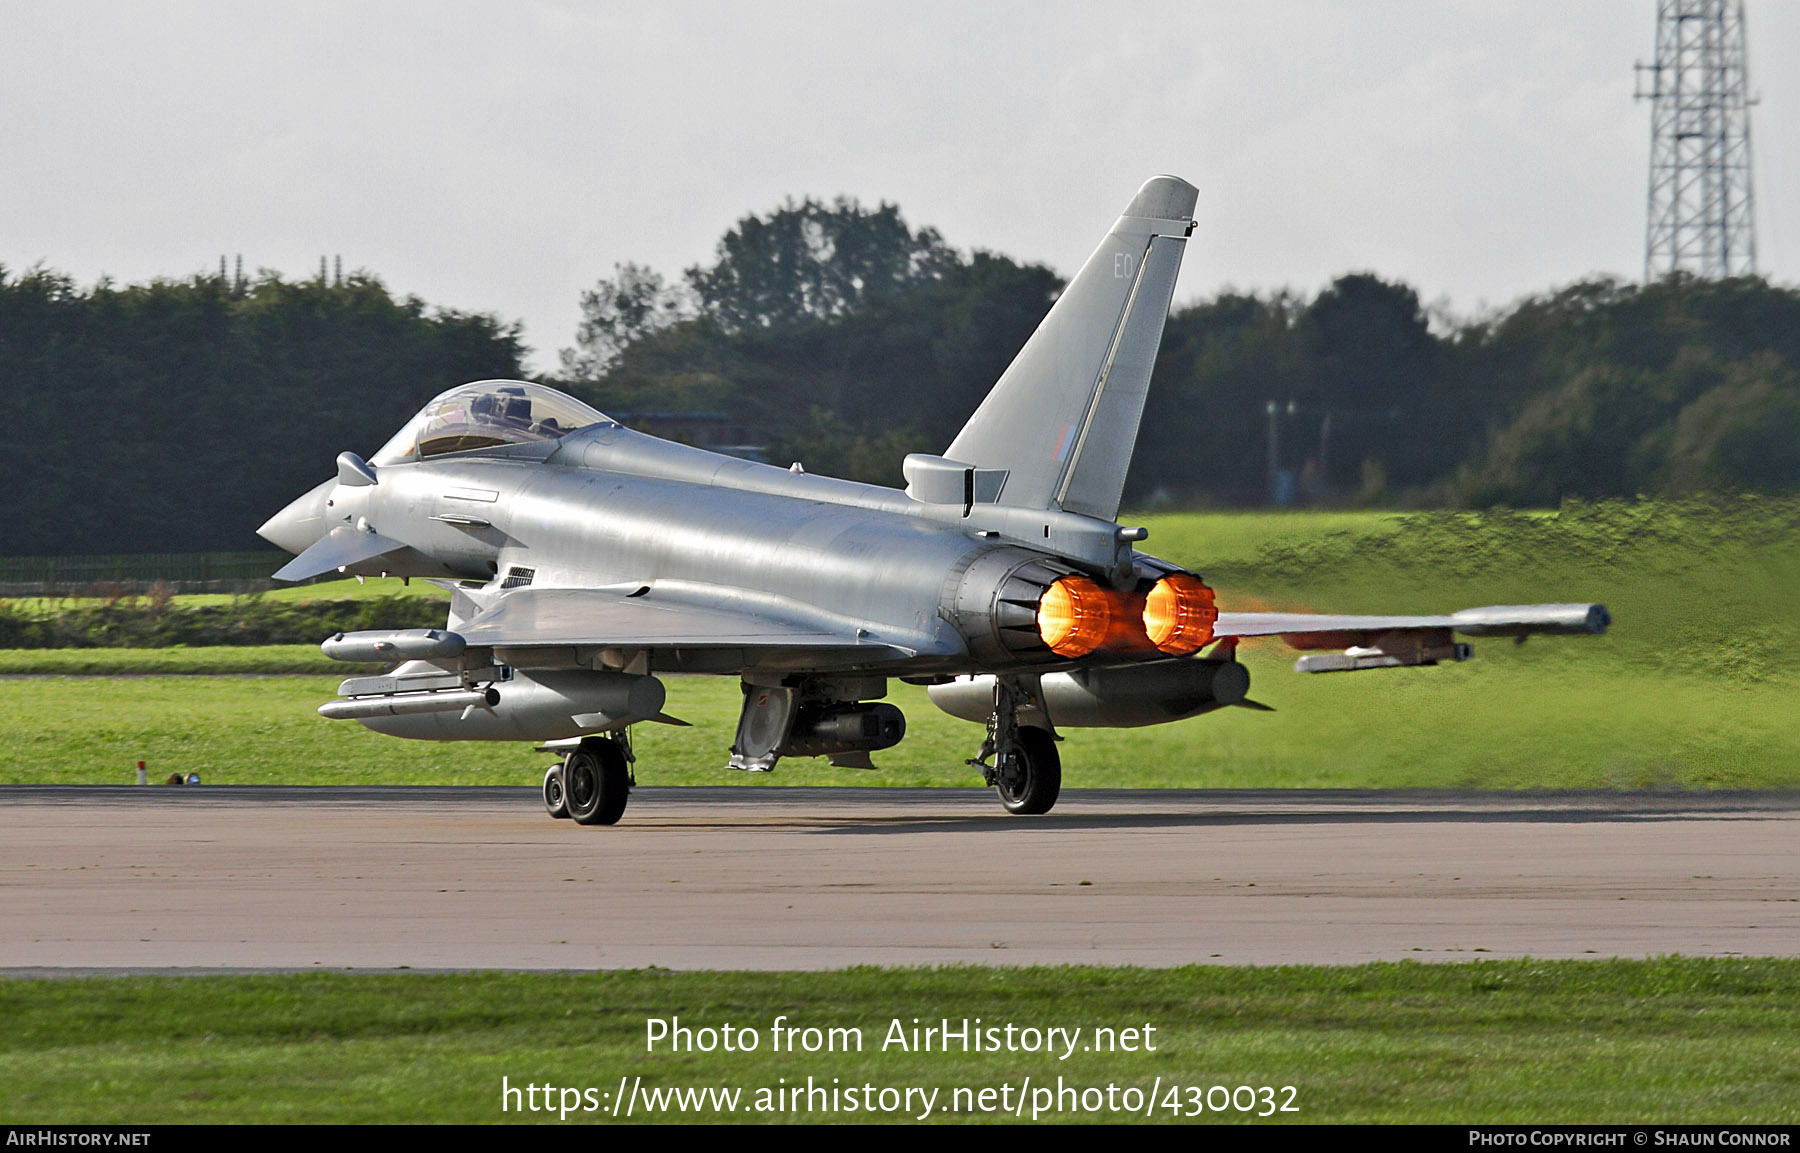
point(1668, 1040)
point(1695, 687)
point(1539, 723)
point(179, 660)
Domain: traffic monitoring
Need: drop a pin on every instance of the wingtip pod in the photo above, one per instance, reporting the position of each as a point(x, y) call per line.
point(1522, 620)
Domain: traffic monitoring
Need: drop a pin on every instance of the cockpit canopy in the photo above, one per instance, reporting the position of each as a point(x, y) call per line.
point(485, 414)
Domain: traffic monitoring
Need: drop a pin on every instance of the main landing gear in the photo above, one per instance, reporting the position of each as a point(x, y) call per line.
point(1030, 779)
point(592, 784)
point(1018, 758)
point(555, 803)
point(1026, 771)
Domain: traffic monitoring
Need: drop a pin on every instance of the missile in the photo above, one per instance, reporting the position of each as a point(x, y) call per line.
point(392, 645)
point(408, 704)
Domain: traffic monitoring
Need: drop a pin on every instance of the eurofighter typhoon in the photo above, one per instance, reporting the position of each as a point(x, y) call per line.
point(586, 560)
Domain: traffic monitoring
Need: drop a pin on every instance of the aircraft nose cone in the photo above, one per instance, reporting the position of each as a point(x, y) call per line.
point(302, 522)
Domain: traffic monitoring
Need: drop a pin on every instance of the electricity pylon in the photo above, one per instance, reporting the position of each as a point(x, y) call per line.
point(1701, 215)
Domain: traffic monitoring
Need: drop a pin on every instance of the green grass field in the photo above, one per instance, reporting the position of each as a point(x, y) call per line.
point(1695, 687)
point(179, 660)
point(1468, 726)
point(1667, 1041)
point(348, 588)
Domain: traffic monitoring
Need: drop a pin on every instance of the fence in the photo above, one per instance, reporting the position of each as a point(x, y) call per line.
point(198, 572)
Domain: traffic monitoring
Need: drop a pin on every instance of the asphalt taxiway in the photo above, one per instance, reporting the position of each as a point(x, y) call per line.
point(211, 878)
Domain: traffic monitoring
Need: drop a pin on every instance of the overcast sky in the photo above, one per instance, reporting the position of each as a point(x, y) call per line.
point(501, 157)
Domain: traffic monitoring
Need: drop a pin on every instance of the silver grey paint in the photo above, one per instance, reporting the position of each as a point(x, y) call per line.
point(651, 557)
point(1110, 697)
point(1063, 418)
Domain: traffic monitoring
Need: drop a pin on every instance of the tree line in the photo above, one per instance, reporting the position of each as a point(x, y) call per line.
point(1354, 395)
point(177, 415)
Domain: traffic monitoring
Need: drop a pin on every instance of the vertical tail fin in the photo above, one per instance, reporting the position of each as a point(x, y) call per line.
point(1063, 419)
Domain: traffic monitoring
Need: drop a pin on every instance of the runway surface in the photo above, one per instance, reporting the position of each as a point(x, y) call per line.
point(216, 878)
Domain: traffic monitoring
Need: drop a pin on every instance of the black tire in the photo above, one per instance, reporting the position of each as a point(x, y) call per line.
point(1034, 786)
point(596, 784)
point(555, 803)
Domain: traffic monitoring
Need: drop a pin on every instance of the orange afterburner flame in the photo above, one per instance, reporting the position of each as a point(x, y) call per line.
point(1179, 615)
point(1074, 616)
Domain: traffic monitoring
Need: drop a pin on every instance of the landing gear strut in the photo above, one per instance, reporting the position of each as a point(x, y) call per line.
point(595, 783)
point(1026, 771)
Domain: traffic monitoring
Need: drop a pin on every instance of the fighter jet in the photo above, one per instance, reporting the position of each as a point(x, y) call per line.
point(586, 561)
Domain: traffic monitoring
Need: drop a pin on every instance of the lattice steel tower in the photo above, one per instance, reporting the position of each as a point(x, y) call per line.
point(1702, 210)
